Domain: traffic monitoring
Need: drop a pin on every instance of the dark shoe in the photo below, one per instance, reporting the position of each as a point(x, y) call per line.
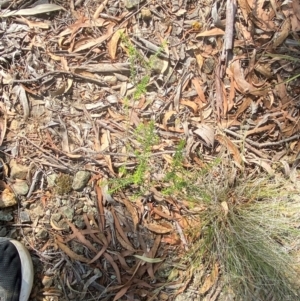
point(16, 271)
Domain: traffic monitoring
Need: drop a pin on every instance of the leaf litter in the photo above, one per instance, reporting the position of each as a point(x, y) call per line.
point(72, 100)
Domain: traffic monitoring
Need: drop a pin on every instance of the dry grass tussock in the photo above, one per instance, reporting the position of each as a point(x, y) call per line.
point(249, 230)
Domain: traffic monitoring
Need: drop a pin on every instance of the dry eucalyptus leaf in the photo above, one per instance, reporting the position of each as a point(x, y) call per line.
point(207, 133)
point(147, 259)
point(39, 9)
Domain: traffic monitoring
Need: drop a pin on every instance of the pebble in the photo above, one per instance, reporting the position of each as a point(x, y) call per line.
point(129, 4)
point(37, 211)
point(7, 199)
point(56, 217)
point(24, 217)
point(5, 216)
point(18, 171)
point(20, 187)
point(68, 212)
point(146, 13)
point(80, 180)
point(42, 234)
point(110, 79)
point(79, 223)
point(51, 180)
point(3, 231)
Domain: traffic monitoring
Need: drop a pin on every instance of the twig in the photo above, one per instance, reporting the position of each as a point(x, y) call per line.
point(58, 72)
point(228, 38)
point(182, 237)
point(266, 144)
point(45, 152)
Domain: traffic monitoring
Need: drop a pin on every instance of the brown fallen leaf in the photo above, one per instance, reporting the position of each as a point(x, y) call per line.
point(3, 122)
point(190, 104)
point(211, 32)
point(207, 133)
point(283, 34)
point(113, 43)
point(122, 292)
point(199, 89)
point(70, 253)
point(241, 84)
point(87, 43)
point(233, 149)
point(77, 233)
point(114, 265)
point(158, 228)
point(54, 226)
point(120, 233)
point(123, 243)
point(35, 24)
point(210, 280)
point(132, 211)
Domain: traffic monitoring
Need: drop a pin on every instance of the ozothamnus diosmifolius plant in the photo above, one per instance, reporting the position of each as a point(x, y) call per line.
point(247, 225)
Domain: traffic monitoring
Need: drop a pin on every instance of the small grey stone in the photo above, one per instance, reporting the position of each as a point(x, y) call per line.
point(110, 79)
point(97, 272)
point(80, 180)
point(129, 4)
point(65, 202)
point(68, 212)
point(63, 224)
point(24, 217)
point(58, 203)
point(37, 211)
point(85, 208)
point(42, 234)
point(5, 216)
point(3, 231)
point(18, 171)
point(27, 230)
point(77, 247)
point(158, 64)
point(56, 217)
point(20, 187)
point(79, 223)
point(51, 180)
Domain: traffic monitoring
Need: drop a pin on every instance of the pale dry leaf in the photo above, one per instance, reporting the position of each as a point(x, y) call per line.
point(113, 43)
point(225, 207)
point(199, 89)
point(100, 9)
point(233, 149)
point(87, 43)
point(35, 24)
point(158, 228)
point(211, 32)
point(190, 104)
point(210, 280)
point(266, 166)
point(54, 226)
point(3, 123)
point(73, 28)
point(283, 34)
point(132, 211)
point(207, 133)
point(39, 9)
point(5, 78)
point(23, 100)
point(241, 84)
point(166, 118)
point(147, 259)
